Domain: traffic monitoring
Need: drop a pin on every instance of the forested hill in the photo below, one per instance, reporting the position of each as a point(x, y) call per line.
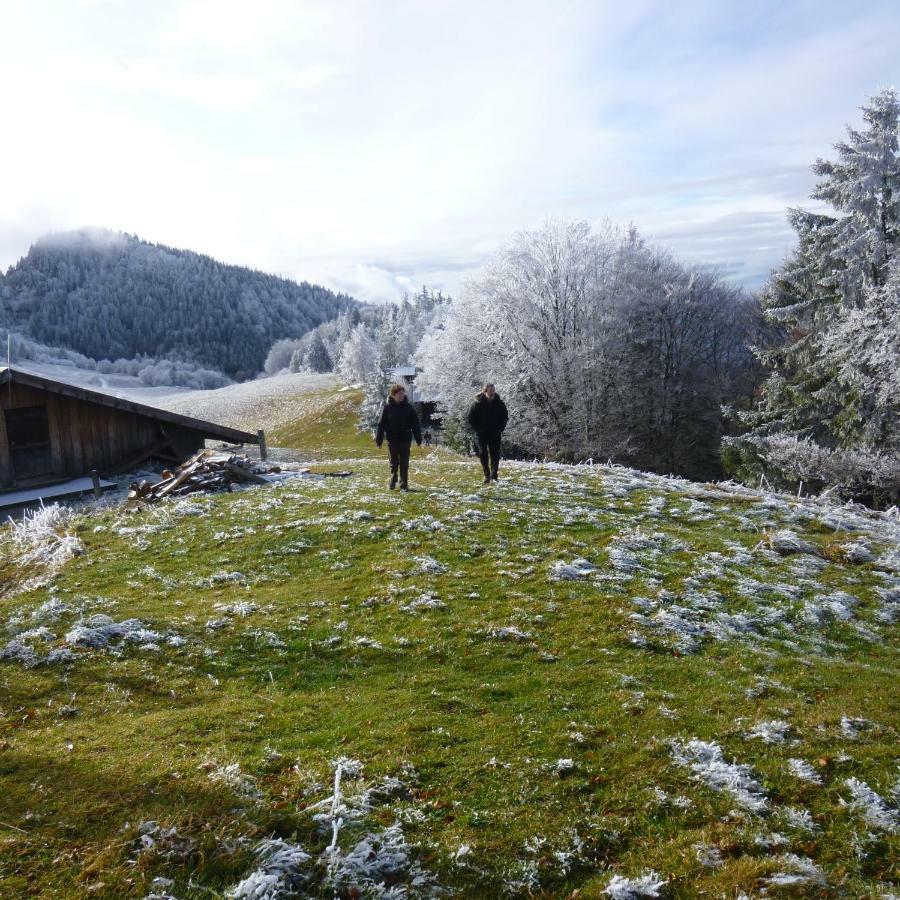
point(113, 296)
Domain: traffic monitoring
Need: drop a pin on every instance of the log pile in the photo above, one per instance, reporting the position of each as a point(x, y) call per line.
point(208, 470)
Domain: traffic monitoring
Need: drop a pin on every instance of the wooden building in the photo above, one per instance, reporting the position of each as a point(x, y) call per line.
point(51, 431)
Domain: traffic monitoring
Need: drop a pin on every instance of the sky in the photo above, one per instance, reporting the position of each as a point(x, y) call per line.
point(378, 145)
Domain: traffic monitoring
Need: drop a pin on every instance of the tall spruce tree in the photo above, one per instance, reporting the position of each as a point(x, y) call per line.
point(834, 284)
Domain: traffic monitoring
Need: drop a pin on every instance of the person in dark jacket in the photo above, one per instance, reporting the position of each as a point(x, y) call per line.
point(399, 424)
point(487, 418)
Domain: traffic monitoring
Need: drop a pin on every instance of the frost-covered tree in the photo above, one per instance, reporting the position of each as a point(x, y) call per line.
point(359, 361)
point(316, 357)
point(829, 374)
point(863, 186)
point(601, 345)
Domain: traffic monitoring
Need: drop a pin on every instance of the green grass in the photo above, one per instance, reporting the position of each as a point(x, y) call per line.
point(328, 428)
point(483, 721)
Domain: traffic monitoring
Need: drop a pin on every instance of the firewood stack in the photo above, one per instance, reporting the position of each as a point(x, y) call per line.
point(206, 471)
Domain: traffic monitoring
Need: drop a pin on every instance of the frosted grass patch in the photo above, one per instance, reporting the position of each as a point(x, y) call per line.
point(155, 840)
point(232, 777)
point(787, 542)
point(424, 602)
point(241, 609)
point(804, 771)
point(879, 814)
point(770, 731)
point(508, 633)
point(709, 766)
point(279, 872)
point(646, 885)
point(425, 565)
point(576, 570)
point(797, 870)
point(853, 727)
point(424, 523)
point(102, 632)
point(221, 578)
point(36, 536)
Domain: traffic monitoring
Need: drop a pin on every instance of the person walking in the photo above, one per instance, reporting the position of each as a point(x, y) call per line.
point(487, 418)
point(399, 424)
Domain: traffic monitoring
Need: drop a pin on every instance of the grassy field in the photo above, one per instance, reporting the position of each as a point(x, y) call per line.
point(575, 681)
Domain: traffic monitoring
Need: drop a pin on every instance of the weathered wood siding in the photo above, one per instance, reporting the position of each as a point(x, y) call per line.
point(85, 435)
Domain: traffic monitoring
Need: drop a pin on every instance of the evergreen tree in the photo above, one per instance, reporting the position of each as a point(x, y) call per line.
point(828, 301)
point(317, 358)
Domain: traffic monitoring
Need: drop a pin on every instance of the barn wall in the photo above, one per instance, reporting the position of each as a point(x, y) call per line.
point(85, 435)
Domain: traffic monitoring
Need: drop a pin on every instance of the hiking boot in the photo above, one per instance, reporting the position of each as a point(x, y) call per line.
point(494, 477)
point(404, 486)
point(392, 483)
point(487, 479)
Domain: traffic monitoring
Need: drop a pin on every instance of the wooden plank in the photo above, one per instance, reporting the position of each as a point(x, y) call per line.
point(56, 449)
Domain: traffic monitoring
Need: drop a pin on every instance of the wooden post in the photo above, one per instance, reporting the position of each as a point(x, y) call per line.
point(262, 444)
point(95, 477)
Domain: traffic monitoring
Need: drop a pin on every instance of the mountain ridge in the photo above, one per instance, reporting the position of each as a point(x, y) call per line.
point(112, 295)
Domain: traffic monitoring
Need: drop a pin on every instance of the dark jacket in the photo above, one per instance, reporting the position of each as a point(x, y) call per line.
point(488, 418)
point(398, 423)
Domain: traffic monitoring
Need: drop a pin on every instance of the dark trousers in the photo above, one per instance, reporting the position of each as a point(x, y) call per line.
point(399, 456)
point(489, 454)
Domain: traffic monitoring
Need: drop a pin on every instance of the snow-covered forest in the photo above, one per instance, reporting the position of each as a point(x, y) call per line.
point(114, 297)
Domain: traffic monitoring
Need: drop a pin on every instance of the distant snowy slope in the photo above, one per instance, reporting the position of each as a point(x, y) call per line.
point(268, 403)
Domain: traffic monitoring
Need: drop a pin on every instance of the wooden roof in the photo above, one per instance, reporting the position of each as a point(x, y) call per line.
point(54, 385)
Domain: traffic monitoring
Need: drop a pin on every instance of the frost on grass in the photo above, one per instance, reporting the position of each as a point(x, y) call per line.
point(576, 570)
point(853, 727)
point(101, 632)
point(232, 777)
point(424, 523)
point(281, 871)
point(41, 544)
point(425, 565)
point(803, 770)
point(507, 633)
point(646, 885)
point(425, 601)
point(155, 840)
point(241, 609)
point(36, 537)
point(375, 862)
point(878, 812)
point(770, 731)
point(221, 578)
point(799, 819)
point(786, 541)
point(708, 765)
point(797, 870)
point(709, 857)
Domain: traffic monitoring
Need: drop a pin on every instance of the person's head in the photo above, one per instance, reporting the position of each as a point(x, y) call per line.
point(397, 393)
point(489, 391)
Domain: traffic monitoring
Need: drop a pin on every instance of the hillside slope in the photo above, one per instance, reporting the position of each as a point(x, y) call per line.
point(582, 678)
point(113, 296)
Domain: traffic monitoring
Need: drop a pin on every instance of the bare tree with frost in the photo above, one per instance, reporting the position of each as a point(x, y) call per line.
point(602, 346)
